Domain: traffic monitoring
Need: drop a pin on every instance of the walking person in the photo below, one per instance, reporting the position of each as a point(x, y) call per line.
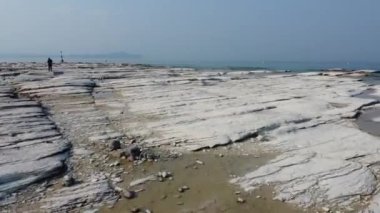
point(50, 64)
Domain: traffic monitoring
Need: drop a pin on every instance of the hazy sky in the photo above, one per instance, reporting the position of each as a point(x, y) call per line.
point(191, 30)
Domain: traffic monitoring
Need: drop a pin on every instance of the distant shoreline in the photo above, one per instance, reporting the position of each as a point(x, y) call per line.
point(229, 66)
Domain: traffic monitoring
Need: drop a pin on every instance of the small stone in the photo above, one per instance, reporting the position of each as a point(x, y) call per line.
point(134, 152)
point(135, 210)
point(183, 188)
point(68, 180)
point(237, 193)
point(177, 196)
point(118, 189)
point(116, 163)
point(163, 197)
point(199, 162)
point(160, 179)
point(115, 145)
point(148, 211)
point(180, 203)
point(221, 155)
point(240, 200)
point(165, 174)
point(258, 196)
point(139, 190)
point(325, 209)
point(117, 180)
point(129, 194)
point(260, 137)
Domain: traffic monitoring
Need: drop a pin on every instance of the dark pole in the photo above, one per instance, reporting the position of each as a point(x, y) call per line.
point(62, 57)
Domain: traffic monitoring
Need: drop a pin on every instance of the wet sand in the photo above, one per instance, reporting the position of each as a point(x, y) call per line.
point(209, 190)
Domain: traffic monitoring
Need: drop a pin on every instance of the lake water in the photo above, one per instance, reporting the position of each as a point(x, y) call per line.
point(232, 65)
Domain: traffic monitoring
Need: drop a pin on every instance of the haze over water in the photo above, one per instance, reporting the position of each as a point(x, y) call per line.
point(293, 34)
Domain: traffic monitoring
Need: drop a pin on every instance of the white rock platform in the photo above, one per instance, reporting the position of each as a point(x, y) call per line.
point(324, 160)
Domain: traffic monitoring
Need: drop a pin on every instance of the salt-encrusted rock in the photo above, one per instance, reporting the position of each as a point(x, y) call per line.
point(319, 165)
point(303, 116)
point(88, 193)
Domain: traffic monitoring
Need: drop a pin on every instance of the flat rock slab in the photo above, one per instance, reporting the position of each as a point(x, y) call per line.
point(324, 159)
point(81, 195)
point(326, 164)
point(204, 110)
point(31, 148)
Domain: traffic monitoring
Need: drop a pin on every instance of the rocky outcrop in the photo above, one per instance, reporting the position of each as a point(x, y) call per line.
point(31, 147)
point(96, 193)
point(323, 160)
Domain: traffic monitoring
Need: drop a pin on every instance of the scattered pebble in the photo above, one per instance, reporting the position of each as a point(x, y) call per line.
point(199, 162)
point(129, 194)
point(116, 163)
point(117, 180)
point(68, 180)
point(326, 209)
point(135, 210)
point(240, 200)
point(115, 145)
point(134, 152)
point(183, 188)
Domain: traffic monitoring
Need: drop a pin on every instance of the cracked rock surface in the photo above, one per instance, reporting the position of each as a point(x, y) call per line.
point(54, 123)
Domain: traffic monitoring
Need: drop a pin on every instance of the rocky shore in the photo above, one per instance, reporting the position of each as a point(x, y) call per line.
point(73, 139)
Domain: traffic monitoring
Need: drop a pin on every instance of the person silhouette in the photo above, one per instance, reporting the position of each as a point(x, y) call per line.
point(50, 64)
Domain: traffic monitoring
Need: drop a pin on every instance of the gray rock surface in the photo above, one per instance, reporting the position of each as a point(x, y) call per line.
point(31, 148)
point(69, 198)
point(307, 118)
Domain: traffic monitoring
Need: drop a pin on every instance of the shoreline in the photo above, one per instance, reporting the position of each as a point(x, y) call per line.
point(308, 118)
point(227, 67)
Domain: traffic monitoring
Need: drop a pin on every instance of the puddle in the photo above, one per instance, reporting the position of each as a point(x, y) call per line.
point(369, 121)
point(209, 188)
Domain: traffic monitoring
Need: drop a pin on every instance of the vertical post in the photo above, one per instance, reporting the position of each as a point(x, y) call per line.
point(62, 57)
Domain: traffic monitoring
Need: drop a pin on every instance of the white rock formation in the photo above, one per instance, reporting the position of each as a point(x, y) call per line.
point(324, 159)
point(31, 148)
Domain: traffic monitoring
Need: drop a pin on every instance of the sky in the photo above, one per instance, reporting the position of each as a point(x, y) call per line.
point(195, 30)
